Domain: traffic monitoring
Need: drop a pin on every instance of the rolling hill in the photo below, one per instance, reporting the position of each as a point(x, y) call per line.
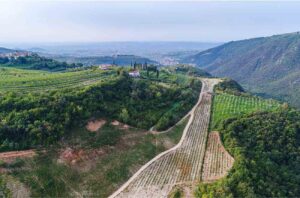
point(267, 66)
point(32, 61)
point(5, 50)
point(121, 60)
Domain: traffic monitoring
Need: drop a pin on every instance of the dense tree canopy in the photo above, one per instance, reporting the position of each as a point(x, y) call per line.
point(266, 148)
point(34, 119)
point(35, 61)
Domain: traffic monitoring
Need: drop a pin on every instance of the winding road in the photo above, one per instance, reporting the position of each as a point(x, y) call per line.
point(181, 164)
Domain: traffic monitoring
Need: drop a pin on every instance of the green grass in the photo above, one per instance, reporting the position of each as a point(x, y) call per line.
point(226, 106)
point(125, 153)
point(19, 80)
point(176, 132)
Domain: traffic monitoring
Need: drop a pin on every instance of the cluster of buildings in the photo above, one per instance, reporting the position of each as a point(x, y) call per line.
point(14, 54)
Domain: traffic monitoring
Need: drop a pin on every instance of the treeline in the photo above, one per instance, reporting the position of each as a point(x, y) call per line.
point(43, 118)
point(191, 71)
point(37, 62)
point(229, 86)
point(266, 148)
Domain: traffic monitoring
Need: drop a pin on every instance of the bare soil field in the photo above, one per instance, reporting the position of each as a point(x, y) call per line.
point(217, 161)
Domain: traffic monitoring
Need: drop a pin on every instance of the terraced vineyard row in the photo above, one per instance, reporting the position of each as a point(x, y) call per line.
point(21, 81)
point(181, 164)
point(226, 106)
point(217, 160)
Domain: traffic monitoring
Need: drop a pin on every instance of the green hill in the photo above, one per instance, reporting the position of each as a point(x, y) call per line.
point(267, 66)
point(263, 137)
point(5, 50)
point(36, 62)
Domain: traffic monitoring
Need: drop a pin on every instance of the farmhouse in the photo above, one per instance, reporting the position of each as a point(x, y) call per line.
point(134, 73)
point(105, 66)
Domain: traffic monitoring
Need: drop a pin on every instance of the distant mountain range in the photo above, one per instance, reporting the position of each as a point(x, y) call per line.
point(268, 66)
point(5, 50)
point(163, 52)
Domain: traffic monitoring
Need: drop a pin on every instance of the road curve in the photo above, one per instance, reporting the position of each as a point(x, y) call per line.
point(181, 164)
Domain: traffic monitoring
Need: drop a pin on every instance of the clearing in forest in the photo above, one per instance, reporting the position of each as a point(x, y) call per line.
point(217, 161)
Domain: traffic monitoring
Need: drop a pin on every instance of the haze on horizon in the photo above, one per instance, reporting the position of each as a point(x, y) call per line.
point(78, 21)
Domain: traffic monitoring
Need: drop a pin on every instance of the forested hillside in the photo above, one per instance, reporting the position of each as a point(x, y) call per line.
point(268, 66)
point(33, 118)
point(36, 62)
point(264, 139)
point(266, 151)
point(51, 111)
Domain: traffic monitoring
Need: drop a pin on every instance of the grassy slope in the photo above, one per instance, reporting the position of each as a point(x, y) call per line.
point(141, 102)
point(130, 150)
point(39, 81)
point(226, 106)
point(124, 152)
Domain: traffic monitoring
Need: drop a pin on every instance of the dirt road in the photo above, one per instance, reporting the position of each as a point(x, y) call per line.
point(12, 155)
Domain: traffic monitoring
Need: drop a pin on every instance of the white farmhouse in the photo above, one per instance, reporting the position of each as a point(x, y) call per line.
point(134, 74)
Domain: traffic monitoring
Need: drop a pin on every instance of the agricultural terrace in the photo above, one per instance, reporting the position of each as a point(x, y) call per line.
point(19, 80)
point(23, 81)
point(217, 161)
point(227, 105)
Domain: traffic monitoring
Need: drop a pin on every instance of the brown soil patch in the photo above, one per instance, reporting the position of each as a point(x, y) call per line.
point(80, 158)
point(120, 125)
point(95, 125)
point(217, 160)
point(12, 155)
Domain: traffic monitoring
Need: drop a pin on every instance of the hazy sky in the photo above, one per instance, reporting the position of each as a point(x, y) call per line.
point(82, 21)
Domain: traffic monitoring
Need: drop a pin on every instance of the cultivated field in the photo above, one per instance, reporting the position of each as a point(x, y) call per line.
point(217, 160)
point(226, 106)
point(29, 80)
point(182, 163)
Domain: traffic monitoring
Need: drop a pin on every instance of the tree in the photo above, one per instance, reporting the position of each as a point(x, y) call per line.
point(124, 115)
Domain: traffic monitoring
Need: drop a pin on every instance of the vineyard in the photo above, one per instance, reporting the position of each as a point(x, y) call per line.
point(182, 163)
point(217, 160)
point(30, 80)
point(226, 106)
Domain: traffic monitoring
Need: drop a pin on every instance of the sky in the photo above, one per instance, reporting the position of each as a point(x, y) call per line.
point(94, 21)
